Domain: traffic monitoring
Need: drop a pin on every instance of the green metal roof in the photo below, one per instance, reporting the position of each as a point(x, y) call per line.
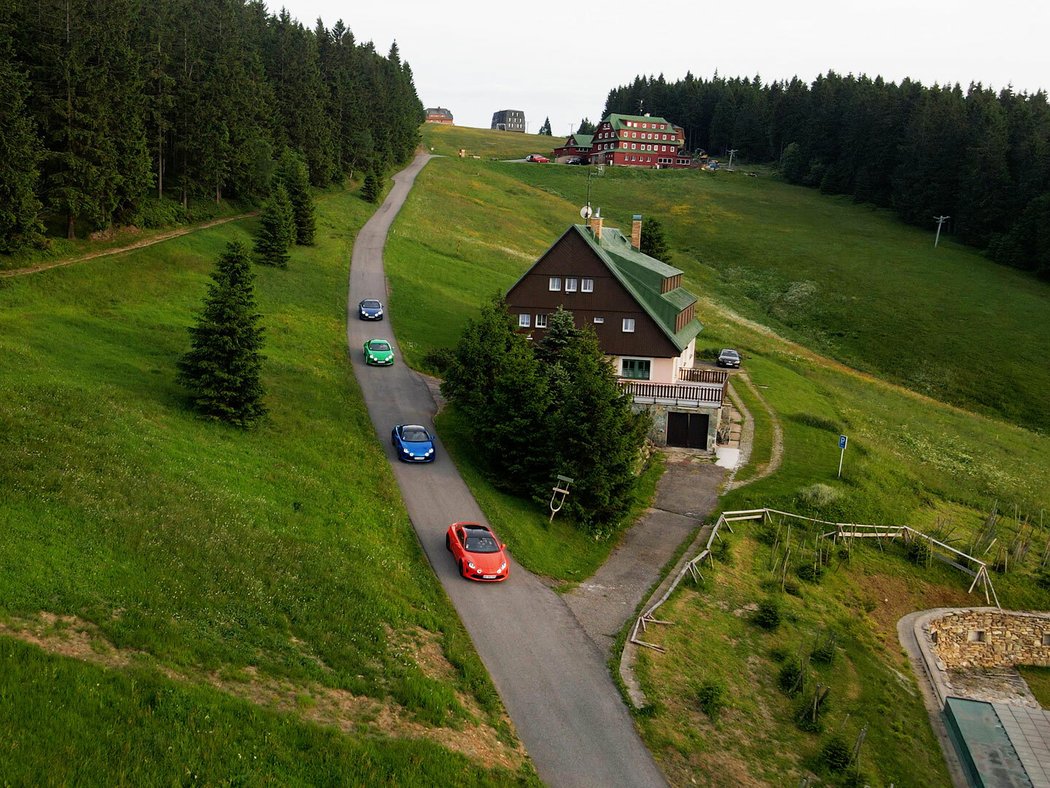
point(582, 140)
point(619, 122)
point(643, 276)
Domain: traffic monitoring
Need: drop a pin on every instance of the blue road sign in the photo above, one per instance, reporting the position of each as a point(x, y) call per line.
point(842, 441)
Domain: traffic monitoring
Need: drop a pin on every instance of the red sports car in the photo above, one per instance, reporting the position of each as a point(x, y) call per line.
point(537, 158)
point(478, 553)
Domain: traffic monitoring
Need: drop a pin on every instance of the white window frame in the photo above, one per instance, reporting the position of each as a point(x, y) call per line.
point(587, 285)
point(554, 284)
point(571, 284)
point(524, 320)
point(628, 325)
point(599, 320)
point(541, 321)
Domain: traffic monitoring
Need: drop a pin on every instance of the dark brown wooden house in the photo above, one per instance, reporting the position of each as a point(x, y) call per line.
point(644, 319)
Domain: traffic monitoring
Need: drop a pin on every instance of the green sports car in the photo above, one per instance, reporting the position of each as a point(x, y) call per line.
point(379, 353)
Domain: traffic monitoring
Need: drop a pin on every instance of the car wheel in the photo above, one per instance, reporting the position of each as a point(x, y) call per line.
point(459, 567)
point(448, 543)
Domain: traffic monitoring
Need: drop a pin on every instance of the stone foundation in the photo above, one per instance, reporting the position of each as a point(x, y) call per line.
point(990, 638)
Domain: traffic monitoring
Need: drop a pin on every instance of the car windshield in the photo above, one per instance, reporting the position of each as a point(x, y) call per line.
point(414, 434)
point(378, 345)
point(370, 304)
point(730, 353)
point(481, 542)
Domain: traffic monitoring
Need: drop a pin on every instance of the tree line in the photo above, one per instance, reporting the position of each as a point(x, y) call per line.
point(980, 157)
point(110, 105)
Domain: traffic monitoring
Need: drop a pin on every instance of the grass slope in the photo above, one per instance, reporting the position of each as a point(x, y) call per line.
point(473, 226)
point(284, 552)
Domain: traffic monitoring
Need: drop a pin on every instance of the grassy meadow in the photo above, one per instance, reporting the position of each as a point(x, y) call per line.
point(266, 584)
point(473, 226)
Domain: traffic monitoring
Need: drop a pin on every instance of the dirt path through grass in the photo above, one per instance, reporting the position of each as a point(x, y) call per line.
point(155, 239)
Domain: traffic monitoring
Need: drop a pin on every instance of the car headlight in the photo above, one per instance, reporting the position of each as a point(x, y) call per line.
point(405, 451)
point(471, 565)
point(429, 452)
point(371, 357)
point(502, 567)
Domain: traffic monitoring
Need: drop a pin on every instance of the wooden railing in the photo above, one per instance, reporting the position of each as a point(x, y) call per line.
point(703, 375)
point(677, 394)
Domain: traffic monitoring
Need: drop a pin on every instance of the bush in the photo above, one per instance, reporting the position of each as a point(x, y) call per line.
point(919, 552)
point(711, 698)
point(808, 715)
point(791, 587)
point(438, 360)
point(792, 677)
point(817, 422)
point(835, 754)
point(824, 652)
point(160, 213)
point(810, 573)
point(778, 653)
point(768, 614)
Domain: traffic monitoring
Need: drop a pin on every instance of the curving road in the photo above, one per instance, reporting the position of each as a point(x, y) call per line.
point(551, 676)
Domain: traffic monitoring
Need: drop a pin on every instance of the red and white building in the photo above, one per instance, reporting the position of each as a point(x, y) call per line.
point(639, 141)
point(631, 141)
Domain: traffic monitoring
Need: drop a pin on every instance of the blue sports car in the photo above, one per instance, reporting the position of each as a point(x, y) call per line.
point(370, 309)
point(413, 443)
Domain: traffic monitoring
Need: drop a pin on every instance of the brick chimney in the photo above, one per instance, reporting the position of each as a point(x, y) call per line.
point(636, 231)
point(596, 224)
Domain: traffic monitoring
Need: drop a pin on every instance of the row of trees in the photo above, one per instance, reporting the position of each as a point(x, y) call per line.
point(980, 157)
point(546, 409)
point(108, 103)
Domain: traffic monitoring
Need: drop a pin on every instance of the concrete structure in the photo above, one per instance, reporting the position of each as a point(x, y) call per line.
point(644, 319)
point(508, 120)
point(439, 115)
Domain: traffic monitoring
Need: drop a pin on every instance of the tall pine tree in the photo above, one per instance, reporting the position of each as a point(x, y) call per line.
point(296, 179)
point(222, 368)
point(276, 229)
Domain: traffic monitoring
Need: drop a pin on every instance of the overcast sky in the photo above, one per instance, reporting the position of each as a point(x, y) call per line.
point(560, 60)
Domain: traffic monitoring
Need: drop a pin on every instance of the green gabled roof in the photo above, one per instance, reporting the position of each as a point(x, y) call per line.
point(643, 275)
point(582, 140)
point(619, 121)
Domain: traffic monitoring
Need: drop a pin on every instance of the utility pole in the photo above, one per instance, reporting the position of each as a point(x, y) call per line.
point(940, 220)
point(731, 151)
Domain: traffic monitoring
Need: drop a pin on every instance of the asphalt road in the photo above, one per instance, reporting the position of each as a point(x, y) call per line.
point(551, 676)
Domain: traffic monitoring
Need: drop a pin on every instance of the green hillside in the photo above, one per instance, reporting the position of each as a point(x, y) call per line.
point(267, 581)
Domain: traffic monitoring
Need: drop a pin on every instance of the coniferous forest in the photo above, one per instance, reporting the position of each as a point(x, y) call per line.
point(125, 111)
point(977, 156)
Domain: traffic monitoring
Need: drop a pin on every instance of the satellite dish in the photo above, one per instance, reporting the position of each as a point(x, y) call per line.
point(585, 212)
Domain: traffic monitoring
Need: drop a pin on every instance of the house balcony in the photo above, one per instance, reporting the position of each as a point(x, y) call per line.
point(695, 388)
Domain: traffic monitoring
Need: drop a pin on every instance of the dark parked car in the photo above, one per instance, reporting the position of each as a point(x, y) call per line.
point(728, 358)
point(370, 309)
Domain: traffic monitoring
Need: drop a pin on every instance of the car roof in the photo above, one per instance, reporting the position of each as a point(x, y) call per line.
point(414, 427)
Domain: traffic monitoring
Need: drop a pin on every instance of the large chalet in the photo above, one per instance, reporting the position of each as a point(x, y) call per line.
point(632, 141)
point(644, 319)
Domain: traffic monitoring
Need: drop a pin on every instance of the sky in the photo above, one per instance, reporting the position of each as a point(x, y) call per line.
point(560, 60)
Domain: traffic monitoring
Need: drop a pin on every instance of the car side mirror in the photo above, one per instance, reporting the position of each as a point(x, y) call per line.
point(503, 547)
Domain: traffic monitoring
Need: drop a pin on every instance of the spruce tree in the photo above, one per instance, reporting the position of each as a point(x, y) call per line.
point(222, 368)
point(545, 128)
point(20, 224)
point(653, 243)
point(296, 179)
point(372, 187)
point(276, 229)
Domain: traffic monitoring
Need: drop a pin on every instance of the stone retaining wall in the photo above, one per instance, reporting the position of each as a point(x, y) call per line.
point(990, 638)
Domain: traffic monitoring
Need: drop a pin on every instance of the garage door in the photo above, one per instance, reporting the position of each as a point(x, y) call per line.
point(687, 430)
